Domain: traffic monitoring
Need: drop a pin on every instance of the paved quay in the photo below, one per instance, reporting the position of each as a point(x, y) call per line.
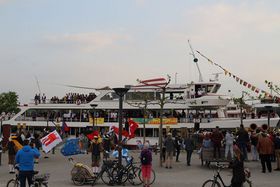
point(180, 175)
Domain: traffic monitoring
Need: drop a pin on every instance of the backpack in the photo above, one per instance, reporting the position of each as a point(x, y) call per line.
point(145, 157)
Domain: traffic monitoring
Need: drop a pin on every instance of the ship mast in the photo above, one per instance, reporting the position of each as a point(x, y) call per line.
point(195, 61)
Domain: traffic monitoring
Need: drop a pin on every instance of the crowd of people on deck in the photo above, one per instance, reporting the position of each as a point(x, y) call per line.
point(69, 98)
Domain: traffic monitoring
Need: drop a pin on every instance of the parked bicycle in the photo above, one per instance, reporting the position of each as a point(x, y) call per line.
point(38, 180)
point(218, 180)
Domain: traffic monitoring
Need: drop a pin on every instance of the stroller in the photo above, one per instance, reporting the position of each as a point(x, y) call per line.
point(81, 174)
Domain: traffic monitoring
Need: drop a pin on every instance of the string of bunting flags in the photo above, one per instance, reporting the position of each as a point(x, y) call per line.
point(246, 84)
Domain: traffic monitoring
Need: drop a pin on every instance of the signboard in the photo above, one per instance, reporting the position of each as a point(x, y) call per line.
point(156, 121)
point(97, 121)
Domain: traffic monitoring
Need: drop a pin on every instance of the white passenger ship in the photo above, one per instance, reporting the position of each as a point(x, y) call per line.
point(185, 104)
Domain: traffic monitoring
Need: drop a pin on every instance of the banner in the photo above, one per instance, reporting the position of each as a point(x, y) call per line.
point(156, 121)
point(50, 141)
point(97, 121)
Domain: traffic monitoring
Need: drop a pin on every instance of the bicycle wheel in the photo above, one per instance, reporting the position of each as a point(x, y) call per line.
point(13, 183)
point(211, 183)
point(107, 178)
point(79, 179)
point(120, 175)
point(132, 176)
point(152, 179)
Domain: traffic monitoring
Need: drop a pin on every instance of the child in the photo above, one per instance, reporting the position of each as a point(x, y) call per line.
point(146, 161)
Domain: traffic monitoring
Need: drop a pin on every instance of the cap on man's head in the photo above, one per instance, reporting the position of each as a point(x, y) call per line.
point(169, 134)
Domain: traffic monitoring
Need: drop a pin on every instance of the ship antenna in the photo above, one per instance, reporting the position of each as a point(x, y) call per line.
point(195, 61)
point(38, 85)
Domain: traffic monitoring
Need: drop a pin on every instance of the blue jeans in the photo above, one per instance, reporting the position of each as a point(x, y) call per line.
point(23, 175)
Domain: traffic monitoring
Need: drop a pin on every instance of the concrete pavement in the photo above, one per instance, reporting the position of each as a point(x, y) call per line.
point(180, 175)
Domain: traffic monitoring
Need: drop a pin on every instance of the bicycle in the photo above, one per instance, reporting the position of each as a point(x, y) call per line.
point(38, 180)
point(129, 172)
point(215, 183)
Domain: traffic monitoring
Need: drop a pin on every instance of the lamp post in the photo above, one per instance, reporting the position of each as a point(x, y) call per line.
point(93, 115)
point(120, 92)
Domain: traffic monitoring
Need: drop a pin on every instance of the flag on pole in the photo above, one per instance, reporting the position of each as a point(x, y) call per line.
point(132, 128)
point(65, 127)
point(50, 141)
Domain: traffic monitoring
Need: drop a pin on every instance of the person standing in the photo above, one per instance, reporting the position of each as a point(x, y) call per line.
point(238, 175)
point(12, 150)
point(146, 161)
point(229, 144)
point(277, 150)
point(178, 143)
point(96, 150)
point(216, 139)
point(170, 146)
point(189, 147)
point(25, 160)
point(265, 149)
point(243, 140)
point(254, 143)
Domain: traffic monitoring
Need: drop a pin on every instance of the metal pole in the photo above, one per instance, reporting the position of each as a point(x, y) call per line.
point(120, 92)
point(120, 130)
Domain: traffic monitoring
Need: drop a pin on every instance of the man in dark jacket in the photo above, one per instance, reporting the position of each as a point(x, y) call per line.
point(217, 138)
point(242, 141)
point(25, 160)
point(189, 147)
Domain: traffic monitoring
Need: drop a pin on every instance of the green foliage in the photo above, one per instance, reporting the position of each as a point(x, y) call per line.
point(9, 102)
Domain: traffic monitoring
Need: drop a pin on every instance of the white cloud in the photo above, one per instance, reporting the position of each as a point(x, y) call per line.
point(89, 41)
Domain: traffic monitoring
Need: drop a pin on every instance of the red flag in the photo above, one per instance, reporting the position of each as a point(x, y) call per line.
point(91, 135)
point(65, 127)
point(132, 128)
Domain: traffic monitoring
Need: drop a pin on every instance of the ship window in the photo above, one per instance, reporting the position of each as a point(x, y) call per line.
point(216, 88)
point(110, 96)
point(209, 88)
point(140, 96)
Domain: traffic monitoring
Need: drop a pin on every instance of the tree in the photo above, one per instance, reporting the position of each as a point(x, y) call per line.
point(160, 84)
point(9, 102)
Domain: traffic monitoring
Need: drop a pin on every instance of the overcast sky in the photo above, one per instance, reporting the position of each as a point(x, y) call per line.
point(113, 42)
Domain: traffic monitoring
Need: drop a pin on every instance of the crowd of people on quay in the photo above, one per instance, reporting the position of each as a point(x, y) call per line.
point(263, 144)
point(69, 98)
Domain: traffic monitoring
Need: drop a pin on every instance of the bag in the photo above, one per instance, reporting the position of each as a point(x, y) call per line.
point(145, 157)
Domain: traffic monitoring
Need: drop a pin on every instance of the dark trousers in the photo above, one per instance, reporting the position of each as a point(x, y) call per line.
point(265, 160)
point(189, 155)
point(236, 184)
point(217, 147)
point(243, 148)
point(178, 150)
point(0, 159)
point(23, 175)
point(163, 154)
